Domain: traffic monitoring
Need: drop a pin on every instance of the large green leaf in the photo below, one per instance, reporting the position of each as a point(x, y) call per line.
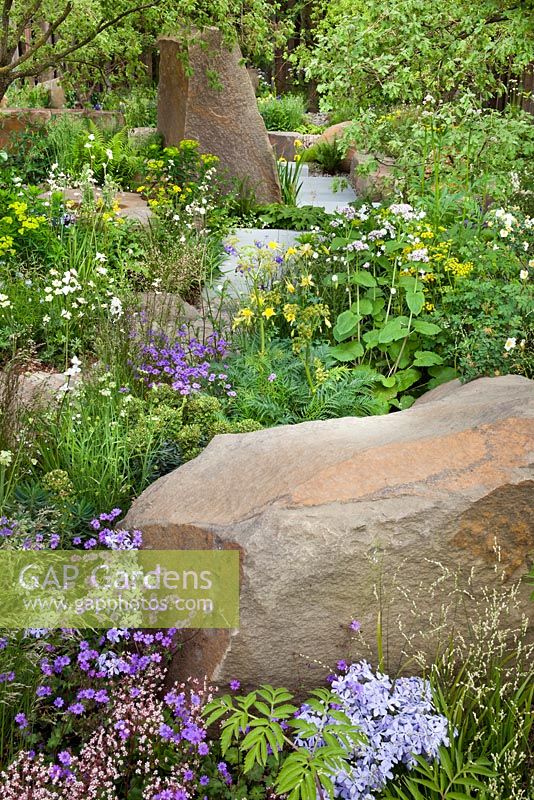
point(395, 329)
point(364, 306)
point(346, 324)
point(394, 244)
point(371, 337)
point(378, 306)
point(425, 358)
point(416, 301)
point(408, 282)
point(363, 278)
point(348, 351)
point(441, 375)
point(406, 378)
point(338, 243)
point(426, 328)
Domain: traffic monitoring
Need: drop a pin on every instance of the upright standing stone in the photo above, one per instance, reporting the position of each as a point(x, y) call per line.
point(211, 99)
point(56, 93)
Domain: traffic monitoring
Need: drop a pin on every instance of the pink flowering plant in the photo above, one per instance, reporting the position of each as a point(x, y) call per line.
point(143, 746)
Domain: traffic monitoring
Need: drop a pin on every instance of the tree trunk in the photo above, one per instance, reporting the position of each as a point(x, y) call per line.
point(5, 82)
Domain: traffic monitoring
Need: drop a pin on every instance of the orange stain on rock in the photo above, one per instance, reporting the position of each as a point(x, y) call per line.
point(456, 462)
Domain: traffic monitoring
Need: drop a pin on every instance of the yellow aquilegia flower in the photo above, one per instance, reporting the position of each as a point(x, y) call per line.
point(290, 312)
point(245, 317)
point(269, 312)
point(306, 280)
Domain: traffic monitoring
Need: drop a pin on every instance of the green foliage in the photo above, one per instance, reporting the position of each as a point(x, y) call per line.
point(454, 157)
point(486, 316)
point(19, 695)
point(174, 263)
point(329, 155)
point(486, 690)
point(447, 778)
point(296, 218)
point(34, 152)
point(489, 328)
point(107, 450)
point(107, 154)
point(530, 580)
point(273, 389)
point(264, 718)
point(60, 279)
point(27, 95)
point(284, 113)
point(290, 183)
point(384, 52)
point(138, 104)
point(182, 179)
point(75, 144)
point(242, 202)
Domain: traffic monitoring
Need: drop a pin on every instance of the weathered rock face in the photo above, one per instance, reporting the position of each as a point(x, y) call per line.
point(56, 93)
point(336, 133)
point(323, 511)
point(213, 101)
point(379, 183)
point(283, 143)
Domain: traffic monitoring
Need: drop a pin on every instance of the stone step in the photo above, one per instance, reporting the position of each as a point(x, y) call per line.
point(320, 191)
point(233, 282)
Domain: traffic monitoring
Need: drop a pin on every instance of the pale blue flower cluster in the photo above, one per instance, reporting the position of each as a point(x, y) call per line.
point(398, 719)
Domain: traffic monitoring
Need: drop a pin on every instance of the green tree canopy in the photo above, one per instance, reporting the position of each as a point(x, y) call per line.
point(80, 36)
point(386, 51)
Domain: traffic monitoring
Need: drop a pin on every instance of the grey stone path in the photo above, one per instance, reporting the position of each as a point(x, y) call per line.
point(316, 191)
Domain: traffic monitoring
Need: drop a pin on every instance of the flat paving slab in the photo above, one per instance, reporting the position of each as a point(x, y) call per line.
point(323, 191)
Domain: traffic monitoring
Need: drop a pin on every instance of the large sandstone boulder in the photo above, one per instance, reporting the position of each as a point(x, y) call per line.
point(283, 143)
point(372, 175)
point(56, 92)
point(212, 100)
point(329, 516)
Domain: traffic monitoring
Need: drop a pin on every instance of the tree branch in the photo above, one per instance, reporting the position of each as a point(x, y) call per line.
point(40, 42)
point(57, 57)
point(5, 29)
point(25, 21)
